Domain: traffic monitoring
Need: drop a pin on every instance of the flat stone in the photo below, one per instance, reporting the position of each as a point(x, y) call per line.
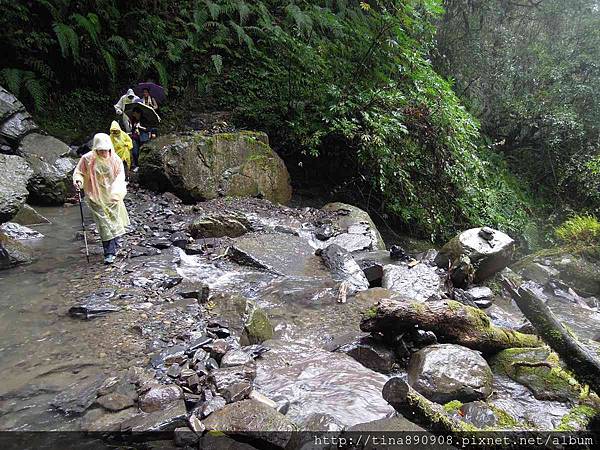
point(101, 420)
point(234, 383)
point(371, 354)
point(157, 397)
point(29, 216)
point(235, 358)
point(19, 232)
point(115, 401)
point(79, 396)
point(417, 283)
point(171, 416)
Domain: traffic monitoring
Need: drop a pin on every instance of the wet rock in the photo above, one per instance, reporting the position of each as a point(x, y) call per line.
point(13, 253)
point(137, 251)
point(488, 254)
point(417, 283)
point(100, 420)
point(171, 416)
point(255, 395)
point(198, 291)
point(344, 268)
point(321, 422)
point(396, 423)
point(257, 327)
point(116, 401)
point(219, 225)
point(463, 297)
point(169, 356)
point(29, 216)
point(79, 396)
point(446, 372)
point(277, 253)
point(235, 358)
point(539, 273)
point(539, 370)
point(196, 425)
point(347, 219)
point(371, 354)
point(94, 305)
point(179, 239)
point(198, 167)
point(324, 232)
point(478, 414)
point(184, 437)
point(398, 253)
point(214, 404)
point(19, 232)
point(159, 396)
point(13, 185)
point(462, 271)
point(580, 273)
point(234, 383)
point(174, 371)
point(252, 416)
point(9, 104)
point(15, 127)
point(482, 296)
point(160, 243)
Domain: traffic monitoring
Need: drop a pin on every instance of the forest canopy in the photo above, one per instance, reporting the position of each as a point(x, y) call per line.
point(397, 89)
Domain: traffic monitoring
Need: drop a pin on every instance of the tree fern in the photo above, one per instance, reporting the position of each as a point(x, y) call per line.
point(40, 67)
point(16, 79)
point(119, 43)
point(214, 9)
point(242, 35)
point(12, 79)
point(90, 25)
point(67, 39)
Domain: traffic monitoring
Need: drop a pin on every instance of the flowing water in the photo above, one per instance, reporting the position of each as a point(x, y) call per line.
point(43, 351)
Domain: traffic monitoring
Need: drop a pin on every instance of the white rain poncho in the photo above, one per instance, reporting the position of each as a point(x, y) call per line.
point(125, 99)
point(104, 186)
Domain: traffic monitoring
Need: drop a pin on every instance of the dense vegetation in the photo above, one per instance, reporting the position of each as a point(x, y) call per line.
point(330, 78)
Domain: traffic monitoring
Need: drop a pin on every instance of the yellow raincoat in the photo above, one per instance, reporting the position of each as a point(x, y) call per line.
point(104, 185)
point(121, 143)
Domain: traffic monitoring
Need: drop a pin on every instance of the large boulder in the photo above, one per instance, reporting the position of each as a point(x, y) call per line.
point(344, 268)
point(446, 372)
point(13, 185)
point(417, 283)
point(198, 167)
point(52, 168)
point(9, 104)
point(358, 231)
point(15, 122)
point(489, 251)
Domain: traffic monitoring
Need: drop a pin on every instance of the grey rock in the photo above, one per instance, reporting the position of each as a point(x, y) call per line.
point(396, 423)
point(13, 185)
point(257, 326)
point(321, 422)
point(446, 372)
point(235, 358)
point(171, 416)
point(371, 354)
point(487, 256)
point(29, 216)
point(94, 305)
point(19, 232)
point(198, 167)
point(79, 396)
point(115, 401)
point(183, 437)
point(252, 416)
point(9, 104)
point(100, 420)
point(159, 396)
point(539, 273)
point(347, 218)
point(234, 383)
point(214, 404)
point(219, 225)
point(13, 253)
point(15, 127)
point(478, 414)
point(344, 268)
point(417, 283)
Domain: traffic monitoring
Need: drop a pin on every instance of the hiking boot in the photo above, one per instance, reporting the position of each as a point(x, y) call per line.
point(109, 259)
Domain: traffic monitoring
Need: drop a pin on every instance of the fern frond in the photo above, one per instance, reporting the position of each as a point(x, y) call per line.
point(302, 20)
point(87, 25)
point(36, 91)
point(119, 43)
point(12, 79)
point(217, 61)
point(214, 9)
point(243, 11)
point(67, 39)
point(163, 76)
point(40, 67)
point(242, 35)
point(176, 49)
point(111, 63)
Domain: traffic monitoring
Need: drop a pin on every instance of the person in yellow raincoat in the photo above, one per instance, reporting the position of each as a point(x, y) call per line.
point(100, 174)
point(122, 144)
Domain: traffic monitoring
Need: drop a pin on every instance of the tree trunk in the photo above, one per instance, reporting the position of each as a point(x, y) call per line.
point(450, 321)
point(580, 361)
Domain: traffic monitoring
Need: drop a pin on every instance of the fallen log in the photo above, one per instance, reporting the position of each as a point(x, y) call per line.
point(579, 360)
point(450, 321)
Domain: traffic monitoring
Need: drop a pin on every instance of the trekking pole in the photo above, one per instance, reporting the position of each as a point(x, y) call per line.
point(87, 251)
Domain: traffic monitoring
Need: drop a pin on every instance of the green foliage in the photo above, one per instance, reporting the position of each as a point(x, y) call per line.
point(580, 230)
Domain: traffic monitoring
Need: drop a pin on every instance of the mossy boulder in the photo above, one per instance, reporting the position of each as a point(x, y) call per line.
point(257, 327)
point(540, 371)
point(197, 167)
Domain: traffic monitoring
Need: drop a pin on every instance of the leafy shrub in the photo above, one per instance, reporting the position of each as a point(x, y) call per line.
point(583, 230)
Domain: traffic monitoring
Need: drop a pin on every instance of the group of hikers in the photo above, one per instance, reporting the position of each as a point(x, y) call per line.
point(103, 172)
